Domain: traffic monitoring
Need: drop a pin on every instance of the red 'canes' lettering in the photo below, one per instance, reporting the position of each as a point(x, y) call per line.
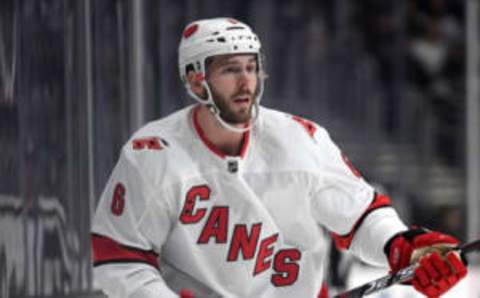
point(188, 216)
point(244, 242)
point(265, 251)
point(216, 226)
point(244, 239)
point(286, 267)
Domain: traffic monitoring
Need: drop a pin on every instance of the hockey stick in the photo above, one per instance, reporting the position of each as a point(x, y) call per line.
point(400, 276)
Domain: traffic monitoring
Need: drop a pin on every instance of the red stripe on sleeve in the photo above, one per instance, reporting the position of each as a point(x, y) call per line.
point(344, 241)
point(107, 250)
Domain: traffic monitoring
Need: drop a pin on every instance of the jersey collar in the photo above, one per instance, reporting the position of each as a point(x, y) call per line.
point(217, 151)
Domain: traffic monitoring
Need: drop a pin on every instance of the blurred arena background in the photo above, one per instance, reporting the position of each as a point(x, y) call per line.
point(395, 83)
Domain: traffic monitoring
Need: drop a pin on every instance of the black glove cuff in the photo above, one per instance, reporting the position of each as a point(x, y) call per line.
point(409, 235)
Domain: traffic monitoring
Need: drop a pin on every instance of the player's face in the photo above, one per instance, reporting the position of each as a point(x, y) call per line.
point(233, 81)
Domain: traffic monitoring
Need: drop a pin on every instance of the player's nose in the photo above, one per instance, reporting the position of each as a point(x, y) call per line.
point(245, 79)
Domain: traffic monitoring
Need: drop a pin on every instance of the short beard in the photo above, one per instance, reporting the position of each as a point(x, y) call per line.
point(227, 114)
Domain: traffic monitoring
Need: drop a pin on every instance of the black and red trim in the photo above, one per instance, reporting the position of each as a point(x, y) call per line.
point(210, 145)
point(106, 250)
point(344, 241)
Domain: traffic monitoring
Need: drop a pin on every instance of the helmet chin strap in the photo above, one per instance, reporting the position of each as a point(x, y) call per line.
point(216, 112)
point(213, 108)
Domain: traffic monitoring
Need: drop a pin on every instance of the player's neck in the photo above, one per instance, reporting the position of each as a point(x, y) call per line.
point(227, 141)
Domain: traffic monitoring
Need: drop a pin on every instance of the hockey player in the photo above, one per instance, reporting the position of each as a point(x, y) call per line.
point(233, 195)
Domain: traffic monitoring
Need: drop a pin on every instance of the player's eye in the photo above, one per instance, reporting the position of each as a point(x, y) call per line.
point(251, 68)
point(232, 69)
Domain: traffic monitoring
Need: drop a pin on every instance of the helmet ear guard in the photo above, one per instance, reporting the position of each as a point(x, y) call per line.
point(212, 37)
point(199, 79)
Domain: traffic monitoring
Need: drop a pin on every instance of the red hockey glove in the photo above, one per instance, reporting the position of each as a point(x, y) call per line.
point(436, 273)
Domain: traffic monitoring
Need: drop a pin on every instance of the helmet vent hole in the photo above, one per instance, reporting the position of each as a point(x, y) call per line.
point(235, 28)
point(221, 39)
point(235, 47)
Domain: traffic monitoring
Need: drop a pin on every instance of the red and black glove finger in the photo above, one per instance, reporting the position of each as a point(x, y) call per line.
point(400, 249)
point(434, 276)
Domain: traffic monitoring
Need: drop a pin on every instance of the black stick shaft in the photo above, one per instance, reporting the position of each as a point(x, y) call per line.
point(400, 276)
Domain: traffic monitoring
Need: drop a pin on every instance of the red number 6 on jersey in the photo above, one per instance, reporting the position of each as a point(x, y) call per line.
point(118, 199)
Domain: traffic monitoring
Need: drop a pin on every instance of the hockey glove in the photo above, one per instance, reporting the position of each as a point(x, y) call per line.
point(438, 269)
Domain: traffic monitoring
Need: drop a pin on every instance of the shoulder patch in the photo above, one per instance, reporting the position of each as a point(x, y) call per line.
point(150, 143)
point(308, 125)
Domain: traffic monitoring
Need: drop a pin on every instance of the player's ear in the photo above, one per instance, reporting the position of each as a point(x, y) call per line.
point(195, 80)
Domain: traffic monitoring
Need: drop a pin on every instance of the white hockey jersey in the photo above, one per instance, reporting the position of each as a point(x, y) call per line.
point(238, 226)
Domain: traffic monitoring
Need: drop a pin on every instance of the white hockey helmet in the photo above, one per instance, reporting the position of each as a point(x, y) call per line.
point(218, 36)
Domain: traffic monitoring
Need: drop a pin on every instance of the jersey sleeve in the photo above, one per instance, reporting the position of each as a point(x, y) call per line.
point(373, 233)
point(129, 227)
point(349, 207)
